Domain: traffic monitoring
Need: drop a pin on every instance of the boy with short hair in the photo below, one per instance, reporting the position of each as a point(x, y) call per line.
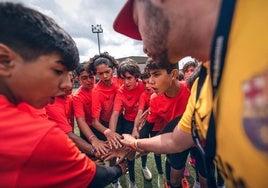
point(36, 56)
point(127, 101)
point(168, 103)
point(82, 103)
point(144, 103)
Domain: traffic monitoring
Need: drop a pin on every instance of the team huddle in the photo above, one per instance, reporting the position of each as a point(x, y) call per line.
point(205, 112)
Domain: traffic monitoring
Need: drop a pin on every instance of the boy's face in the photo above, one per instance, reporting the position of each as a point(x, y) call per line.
point(129, 81)
point(105, 73)
point(189, 72)
point(160, 80)
point(147, 85)
point(36, 82)
point(86, 80)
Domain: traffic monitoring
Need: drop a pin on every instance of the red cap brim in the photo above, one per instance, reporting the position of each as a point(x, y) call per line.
point(124, 22)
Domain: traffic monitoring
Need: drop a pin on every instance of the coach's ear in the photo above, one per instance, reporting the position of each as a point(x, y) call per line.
point(6, 56)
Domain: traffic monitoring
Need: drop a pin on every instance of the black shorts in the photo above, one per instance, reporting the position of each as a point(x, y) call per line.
point(178, 160)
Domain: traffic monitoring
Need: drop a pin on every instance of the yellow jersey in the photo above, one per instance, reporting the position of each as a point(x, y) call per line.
point(241, 102)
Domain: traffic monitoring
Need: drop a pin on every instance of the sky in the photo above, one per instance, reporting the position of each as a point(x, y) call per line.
point(77, 17)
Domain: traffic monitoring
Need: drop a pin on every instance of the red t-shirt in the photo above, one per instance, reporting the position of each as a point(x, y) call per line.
point(34, 152)
point(163, 109)
point(82, 104)
point(61, 112)
point(144, 101)
point(128, 101)
point(37, 113)
point(102, 105)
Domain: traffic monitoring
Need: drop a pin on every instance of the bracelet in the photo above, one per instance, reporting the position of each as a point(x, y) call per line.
point(90, 138)
point(107, 131)
point(134, 144)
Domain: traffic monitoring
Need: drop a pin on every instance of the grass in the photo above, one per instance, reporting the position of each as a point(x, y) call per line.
point(140, 181)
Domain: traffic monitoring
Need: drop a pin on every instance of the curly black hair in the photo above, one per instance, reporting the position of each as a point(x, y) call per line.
point(103, 58)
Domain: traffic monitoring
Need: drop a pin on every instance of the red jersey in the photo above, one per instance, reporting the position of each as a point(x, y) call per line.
point(128, 101)
point(102, 105)
point(163, 109)
point(82, 104)
point(144, 101)
point(61, 112)
point(34, 152)
point(37, 113)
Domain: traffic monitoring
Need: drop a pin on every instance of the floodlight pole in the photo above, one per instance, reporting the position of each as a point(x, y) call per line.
point(97, 29)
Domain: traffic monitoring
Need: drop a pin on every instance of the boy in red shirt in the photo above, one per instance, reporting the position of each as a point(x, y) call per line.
point(103, 65)
point(127, 101)
point(144, 103)
point(103, 94)
point(169, 103)
point(36, 56)
point(82, 103)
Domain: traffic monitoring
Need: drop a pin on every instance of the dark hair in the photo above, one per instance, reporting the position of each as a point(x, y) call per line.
point(189, 64)
point(81, 68)
point(152, 65)
point(103, 58)
point(145, 75)
point(128, 65)
point(32, 34)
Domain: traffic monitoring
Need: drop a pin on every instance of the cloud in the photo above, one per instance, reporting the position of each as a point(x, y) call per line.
point(77, 16)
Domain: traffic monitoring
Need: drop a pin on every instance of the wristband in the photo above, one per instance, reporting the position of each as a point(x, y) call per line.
point(90, 138)
point(134, 144)
point(107, 131)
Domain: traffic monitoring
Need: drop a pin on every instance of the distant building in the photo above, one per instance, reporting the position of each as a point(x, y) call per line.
point(140, 59)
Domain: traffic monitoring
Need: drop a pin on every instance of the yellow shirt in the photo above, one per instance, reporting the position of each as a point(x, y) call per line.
point(242, 100)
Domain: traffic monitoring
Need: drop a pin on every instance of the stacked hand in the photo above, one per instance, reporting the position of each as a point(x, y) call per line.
point(120, 152)
point(113, 139)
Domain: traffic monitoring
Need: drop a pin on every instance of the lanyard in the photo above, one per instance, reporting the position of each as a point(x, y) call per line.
point(217, 58)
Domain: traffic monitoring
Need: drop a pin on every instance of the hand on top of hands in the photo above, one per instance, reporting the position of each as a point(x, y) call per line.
point(113, 139)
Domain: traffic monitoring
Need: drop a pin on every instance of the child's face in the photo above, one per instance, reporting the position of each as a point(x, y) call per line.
point(129, 81)
point(105, 73)
point(160, 80)
point(147, 85)
point(189, 72)
point(86, 80)
point(36, 82)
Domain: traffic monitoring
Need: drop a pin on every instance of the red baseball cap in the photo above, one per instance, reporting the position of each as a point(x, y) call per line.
point(124, 22)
